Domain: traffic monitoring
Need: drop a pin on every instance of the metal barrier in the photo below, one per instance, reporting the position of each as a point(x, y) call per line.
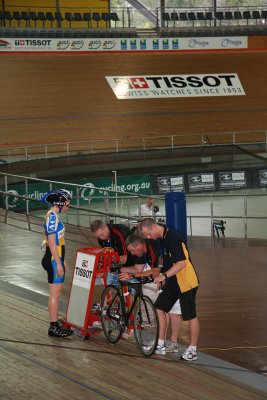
point(121, 206)
point(29, 152)
point(244, 214)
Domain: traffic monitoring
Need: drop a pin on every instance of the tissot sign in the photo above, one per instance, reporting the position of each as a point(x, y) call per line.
point(161, 86)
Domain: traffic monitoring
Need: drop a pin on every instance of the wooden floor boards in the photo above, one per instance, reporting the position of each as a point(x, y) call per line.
point(233, 328)
point(37, 366)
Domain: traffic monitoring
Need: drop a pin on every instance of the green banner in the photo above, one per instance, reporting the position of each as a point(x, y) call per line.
point(92, 190)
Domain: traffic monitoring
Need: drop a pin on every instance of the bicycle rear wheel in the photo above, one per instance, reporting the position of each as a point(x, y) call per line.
point(111, 314)
point(145, 326)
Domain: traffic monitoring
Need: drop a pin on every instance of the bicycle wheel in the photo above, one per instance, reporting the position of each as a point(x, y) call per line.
point(111, 314)
point(145, 326)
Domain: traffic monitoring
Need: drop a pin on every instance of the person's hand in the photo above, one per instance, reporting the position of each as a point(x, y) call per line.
point(60, 270)
point(125, 276)
point(66, 266)
point(159, 279)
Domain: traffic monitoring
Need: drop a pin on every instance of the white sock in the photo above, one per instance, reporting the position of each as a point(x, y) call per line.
point(193, 347)
point(161, 342)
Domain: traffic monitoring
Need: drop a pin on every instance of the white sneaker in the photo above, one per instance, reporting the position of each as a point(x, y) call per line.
point(171, 347)
point(189, 355)
point(161, 349)
point(97, 324)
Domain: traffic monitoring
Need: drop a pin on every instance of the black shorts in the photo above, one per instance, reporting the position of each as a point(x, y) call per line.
point(168, 297)
point(51, 267)
point(188, 304)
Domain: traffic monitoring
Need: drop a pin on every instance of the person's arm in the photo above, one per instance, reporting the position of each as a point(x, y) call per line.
point(174, 248)
point(53, 248)
point(123, 259)
point(137, 271)
point(127, 272)
point(178, 266)
point(118, 240)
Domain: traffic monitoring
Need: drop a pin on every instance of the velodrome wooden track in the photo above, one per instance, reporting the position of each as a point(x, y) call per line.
point(52, 98)
point(55, 97)
point(233, 328)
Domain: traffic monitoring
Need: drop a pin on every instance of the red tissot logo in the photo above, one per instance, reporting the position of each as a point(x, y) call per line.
point(139, 83)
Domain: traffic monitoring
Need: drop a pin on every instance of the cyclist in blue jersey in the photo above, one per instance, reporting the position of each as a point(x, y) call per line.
point(54, 258)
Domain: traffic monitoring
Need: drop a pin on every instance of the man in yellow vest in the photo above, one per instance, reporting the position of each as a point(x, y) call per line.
point(180, 282)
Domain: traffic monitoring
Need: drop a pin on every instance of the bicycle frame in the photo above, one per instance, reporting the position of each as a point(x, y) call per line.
point(140, 316)
point(138, 295)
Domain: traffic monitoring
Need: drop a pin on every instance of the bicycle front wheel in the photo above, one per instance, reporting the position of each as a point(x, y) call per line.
point(111, 314)
point(145, 326)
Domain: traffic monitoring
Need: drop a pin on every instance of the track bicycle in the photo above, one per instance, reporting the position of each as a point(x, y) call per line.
point(116, 316)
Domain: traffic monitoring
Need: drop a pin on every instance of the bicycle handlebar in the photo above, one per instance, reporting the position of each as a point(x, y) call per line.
point(140, 280)
point(145, 279)
point(116, 267)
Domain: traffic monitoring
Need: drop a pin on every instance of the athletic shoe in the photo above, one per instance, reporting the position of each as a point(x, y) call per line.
point(189, 355)
point(171, 347)
point(57, 331)
point(97, 324)
point(95, 308)
point(161, 349)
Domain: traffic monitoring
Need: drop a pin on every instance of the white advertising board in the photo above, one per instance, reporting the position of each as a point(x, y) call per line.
point(121, 44)
point(162, 86)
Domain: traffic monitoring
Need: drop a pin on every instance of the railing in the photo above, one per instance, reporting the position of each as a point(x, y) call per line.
point(117, 205)
point(245, 214)
point(10, 154)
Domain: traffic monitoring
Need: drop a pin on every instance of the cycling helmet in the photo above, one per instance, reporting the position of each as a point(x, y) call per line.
point(57, 197)
point(66, 193)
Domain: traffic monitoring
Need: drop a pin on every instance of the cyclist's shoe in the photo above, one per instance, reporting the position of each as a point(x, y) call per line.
point(161, 350)
point(97, 324)
point(95, 308)
point(58, 331)
point(171, 347)
point(189, 355)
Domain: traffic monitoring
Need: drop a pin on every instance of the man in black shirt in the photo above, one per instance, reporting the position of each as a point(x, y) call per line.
point(181, 282)
point(114, 236)
point(146, 252)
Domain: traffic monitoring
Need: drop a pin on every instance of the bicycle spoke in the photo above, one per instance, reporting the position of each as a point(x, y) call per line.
point(111, 314)
point(145, 326)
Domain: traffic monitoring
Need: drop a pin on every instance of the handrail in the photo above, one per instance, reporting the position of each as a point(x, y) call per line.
point(24, 152)
point(200, 225)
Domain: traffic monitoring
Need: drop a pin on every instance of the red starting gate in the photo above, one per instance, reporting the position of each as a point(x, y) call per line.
point(91, 267)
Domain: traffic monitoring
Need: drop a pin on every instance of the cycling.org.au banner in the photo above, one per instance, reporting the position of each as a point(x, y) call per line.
point(112, 44)
point(161, 86)
point(92, 190)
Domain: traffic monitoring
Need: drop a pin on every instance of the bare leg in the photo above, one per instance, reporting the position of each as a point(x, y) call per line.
point(175, 322)
point(53, 301)
point(194, 331)
point(162, 324)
